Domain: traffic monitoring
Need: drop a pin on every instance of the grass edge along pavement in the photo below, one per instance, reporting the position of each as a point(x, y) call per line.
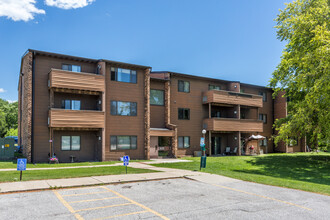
point(12, 176)
point(12, 164)
point(303, 171)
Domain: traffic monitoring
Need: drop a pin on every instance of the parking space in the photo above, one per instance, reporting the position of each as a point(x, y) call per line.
point(103, 203)
point(167, 199)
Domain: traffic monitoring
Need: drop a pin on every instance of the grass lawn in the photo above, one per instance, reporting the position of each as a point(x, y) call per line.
point(11, 176)
point(304, 171)
point(13, 164)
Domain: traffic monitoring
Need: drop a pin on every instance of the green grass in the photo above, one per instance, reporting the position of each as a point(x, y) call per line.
point(13, 164)
point(11, 176)
point(304, 171)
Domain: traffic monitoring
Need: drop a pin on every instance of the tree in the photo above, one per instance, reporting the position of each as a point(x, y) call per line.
point(3, 124)
point(11, 132)
point(304, 72)
point(8, 116)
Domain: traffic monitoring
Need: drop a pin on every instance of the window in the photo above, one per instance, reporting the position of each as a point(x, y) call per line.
point(69, 67)
point(183, 86)
point(71, 104)
point(264, 96)
point(70, 143)
point(123, 108)
point(263, 117)
point(123, 142)
point(184, 113)
point(156, 97)
point(212, 87)
point(123, 75)
point(184, 142)
point(263, 142)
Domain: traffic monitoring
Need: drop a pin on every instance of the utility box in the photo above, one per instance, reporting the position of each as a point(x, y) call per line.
point(7, 148)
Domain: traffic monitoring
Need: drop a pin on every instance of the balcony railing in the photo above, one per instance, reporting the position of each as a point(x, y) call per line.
point(62, 118)
point(76, 80)
point(232, 98)
point(233, 124)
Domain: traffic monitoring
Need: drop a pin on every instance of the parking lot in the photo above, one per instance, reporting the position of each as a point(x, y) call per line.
point(165, 199)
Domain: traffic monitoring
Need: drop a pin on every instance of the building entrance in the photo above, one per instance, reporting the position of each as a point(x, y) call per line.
point(215, 145)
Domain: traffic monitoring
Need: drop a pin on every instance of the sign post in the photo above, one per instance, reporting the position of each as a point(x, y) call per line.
point(21, 165)
point(126, 161)
point(202, 145)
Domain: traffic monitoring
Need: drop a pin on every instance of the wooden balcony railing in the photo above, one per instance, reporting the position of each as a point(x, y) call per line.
point(233, 124)
point(232, 98)
point(62, 118)
point(63, 79)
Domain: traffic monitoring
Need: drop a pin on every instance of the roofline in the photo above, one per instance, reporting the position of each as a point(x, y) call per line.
point(257, 86)
point(126, 64)
point(62, 55)
point(87, 59)
point(191, 76)
point(209, 78)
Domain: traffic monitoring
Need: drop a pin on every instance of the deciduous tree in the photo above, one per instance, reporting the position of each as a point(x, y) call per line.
point(304, 71)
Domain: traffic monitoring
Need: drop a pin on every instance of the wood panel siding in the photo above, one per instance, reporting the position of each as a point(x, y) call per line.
point(61, 118)
point(232, 124)
point(74, 80)
point(232, 98)
point(125, 125)
point(162, 132)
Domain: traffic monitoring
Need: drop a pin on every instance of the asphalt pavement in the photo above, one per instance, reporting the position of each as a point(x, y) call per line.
point(199, 197)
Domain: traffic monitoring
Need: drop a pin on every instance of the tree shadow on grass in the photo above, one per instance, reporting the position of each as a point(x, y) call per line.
point(308, 168)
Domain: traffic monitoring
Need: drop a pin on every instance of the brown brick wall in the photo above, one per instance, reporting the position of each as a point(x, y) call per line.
point(280, 111)
point(25, 106)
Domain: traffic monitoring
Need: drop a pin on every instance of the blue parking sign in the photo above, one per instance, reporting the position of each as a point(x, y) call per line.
point(21, 164)
point(126, 160)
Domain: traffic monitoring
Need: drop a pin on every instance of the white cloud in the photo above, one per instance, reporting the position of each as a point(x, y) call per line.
point(19, 9)
point(11, 101)
point(68, 4)
point(2, 90)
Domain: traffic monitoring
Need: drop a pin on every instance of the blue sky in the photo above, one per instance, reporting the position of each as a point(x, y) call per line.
point(231, 40)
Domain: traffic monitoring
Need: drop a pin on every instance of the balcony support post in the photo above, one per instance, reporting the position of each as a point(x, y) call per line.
point(258, 113)
point(210, 106)
point(210, 144)
point(239, 111)
point(239, 144)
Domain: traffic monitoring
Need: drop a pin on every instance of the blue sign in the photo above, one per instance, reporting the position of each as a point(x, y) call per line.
point(21, 164)
point(126, 160)
point(202, 143)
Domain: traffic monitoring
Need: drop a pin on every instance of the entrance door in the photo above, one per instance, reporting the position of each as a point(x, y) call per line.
point(216, 145)
point(153, 147)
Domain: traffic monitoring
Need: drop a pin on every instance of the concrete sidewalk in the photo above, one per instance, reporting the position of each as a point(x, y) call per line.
point(153, 161)
point(165, 173)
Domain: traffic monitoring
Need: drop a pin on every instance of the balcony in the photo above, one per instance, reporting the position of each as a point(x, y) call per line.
point(233, 124)
point(63, 79)
point(232, 98)
point(62, 118)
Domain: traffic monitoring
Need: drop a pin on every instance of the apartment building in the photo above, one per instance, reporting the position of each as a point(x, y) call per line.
point(84, 109)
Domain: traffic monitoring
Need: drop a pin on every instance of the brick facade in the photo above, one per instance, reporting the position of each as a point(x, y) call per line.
point(163, 117)
point(25, 106)
point(147, 113)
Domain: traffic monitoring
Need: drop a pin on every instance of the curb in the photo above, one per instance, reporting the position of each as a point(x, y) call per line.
point(87, 185)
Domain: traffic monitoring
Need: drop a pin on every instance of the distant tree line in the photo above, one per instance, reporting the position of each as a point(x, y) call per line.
point(8, 118)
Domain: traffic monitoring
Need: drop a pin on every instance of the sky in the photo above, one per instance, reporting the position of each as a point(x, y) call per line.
point(231, 40)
